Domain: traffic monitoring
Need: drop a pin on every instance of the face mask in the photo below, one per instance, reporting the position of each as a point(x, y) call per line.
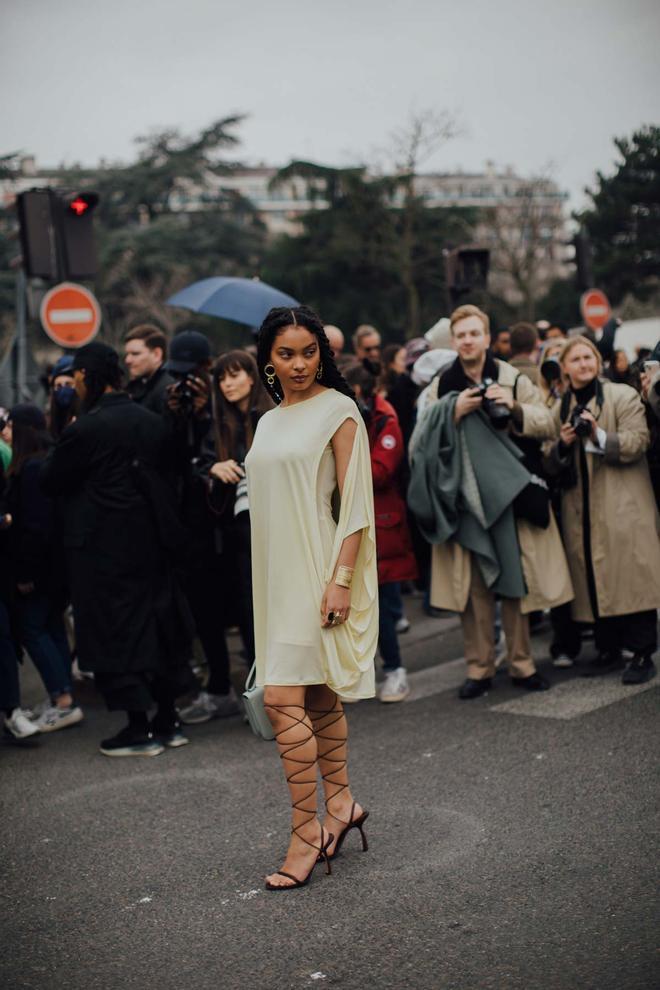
point(64, 396)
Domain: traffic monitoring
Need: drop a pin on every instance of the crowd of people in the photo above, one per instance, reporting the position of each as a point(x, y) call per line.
point(514, 473)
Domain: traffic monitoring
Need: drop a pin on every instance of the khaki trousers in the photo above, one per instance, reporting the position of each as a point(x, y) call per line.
point(478, 621)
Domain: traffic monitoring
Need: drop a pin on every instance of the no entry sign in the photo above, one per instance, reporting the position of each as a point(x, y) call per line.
point(70, 315)
point(595, 308)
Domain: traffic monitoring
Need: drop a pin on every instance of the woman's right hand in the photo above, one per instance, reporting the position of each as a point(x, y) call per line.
point(230, 472)
point(567, 434)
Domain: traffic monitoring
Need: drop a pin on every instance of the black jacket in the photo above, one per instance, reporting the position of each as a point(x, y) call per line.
point(33, 536)
point(151, 392)
point(107, 472)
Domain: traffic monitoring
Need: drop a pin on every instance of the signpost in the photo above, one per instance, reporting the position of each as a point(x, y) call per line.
point(70, 315)
point(595, 308)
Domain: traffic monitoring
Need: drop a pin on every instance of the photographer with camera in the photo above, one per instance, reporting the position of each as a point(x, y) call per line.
point(189, 415)
point(239, 400)
point(487, 516)
point(610, 521)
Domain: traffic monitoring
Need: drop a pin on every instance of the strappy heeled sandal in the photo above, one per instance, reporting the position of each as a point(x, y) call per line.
point(341, 763)
point(323, 855)
point(285, 754)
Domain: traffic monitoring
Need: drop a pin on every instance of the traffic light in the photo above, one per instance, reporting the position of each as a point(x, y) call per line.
point(584, 260)
point(77, 234)
point(466, 270)
point(39, 242)
point(57, 233)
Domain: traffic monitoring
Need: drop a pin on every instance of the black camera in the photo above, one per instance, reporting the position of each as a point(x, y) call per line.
point(551, 370)
point(183, 390)
point(497, 412)
point(581, 426)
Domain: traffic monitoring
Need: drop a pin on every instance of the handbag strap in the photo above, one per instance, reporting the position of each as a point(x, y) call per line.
point(251, 677)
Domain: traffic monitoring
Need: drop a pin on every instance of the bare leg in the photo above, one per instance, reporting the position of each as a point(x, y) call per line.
point(297, 745)
point(331, 730)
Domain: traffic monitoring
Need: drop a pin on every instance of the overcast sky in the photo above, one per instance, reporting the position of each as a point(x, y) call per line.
point(532, 82)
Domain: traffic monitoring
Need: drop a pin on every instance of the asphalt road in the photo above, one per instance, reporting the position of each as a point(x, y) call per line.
point(507, 850)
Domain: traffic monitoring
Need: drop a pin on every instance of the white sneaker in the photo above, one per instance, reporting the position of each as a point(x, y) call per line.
point(58, 718)
point(402, 625)
point(562, 661)
point(19, 725)
point(395, 686)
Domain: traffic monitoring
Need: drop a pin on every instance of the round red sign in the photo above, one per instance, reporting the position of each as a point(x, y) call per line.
point(595, 308)
point(70, 315)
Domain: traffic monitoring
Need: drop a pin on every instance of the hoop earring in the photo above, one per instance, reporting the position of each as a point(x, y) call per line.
point(270, 374)
point(319, 371)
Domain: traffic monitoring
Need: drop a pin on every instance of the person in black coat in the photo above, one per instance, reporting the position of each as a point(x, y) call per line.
point(145, 350)
point(39, 593)
point(119, 531)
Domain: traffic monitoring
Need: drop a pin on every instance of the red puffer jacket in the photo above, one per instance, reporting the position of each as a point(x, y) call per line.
point(396, 561)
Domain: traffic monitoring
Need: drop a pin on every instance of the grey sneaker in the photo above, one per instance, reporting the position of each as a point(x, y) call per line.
point(402, 625)
point(58, 718)
point(395, 686)
point(208, 706)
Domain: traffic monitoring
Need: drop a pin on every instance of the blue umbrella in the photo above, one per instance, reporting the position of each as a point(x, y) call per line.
point(244, 300)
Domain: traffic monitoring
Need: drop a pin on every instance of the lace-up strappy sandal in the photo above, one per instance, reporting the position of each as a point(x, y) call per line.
point(322, 849)
point(341, 763)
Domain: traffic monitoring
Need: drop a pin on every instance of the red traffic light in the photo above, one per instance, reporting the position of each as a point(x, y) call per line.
point(78, 206)
point(81, 203)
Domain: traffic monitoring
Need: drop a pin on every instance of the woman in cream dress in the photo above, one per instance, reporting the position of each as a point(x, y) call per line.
point(315, 584)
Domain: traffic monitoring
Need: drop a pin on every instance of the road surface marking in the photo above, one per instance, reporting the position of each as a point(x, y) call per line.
point(434, 680)
point(573, 698)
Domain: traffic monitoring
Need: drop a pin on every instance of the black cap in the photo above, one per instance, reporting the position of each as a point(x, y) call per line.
point(96, 357)
point(26, 414)
point(188, 349)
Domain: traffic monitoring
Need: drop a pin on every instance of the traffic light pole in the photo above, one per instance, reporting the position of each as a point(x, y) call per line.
point(19, 351)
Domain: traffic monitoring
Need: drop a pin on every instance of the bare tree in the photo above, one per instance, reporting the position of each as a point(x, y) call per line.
point(522, 234)
point(413, 144)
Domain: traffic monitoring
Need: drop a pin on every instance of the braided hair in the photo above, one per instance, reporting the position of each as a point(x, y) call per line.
point(302, 316)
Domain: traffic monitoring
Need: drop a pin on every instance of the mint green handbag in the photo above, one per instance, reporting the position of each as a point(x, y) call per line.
point(253, 700)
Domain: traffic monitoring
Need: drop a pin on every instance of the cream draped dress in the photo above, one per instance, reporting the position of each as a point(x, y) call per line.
point(296, 539)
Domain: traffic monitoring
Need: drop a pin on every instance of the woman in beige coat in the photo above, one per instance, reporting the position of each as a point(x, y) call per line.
point(610, 522)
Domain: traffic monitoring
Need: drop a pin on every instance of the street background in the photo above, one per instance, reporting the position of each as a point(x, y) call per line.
point(512, 845)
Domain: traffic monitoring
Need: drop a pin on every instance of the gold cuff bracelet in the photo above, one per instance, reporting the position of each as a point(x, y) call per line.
point(344, 576)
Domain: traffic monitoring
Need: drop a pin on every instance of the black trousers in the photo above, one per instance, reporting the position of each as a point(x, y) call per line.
point(237, 559)
point(567, 635)
point(205, 590)
point(637, 631)
point(141, 691)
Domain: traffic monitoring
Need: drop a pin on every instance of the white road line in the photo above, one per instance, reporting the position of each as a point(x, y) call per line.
point(434, 680)
point(573, 698)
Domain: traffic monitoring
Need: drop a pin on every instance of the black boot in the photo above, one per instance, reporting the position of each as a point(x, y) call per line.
point(473, 689)
point(535, 682)
point(604, 663)
point(638, 670)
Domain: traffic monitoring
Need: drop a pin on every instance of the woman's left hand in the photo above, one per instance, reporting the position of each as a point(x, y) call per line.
point(338, 601)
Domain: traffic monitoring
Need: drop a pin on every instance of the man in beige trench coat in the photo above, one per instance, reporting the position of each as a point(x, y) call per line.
point(456, 581)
